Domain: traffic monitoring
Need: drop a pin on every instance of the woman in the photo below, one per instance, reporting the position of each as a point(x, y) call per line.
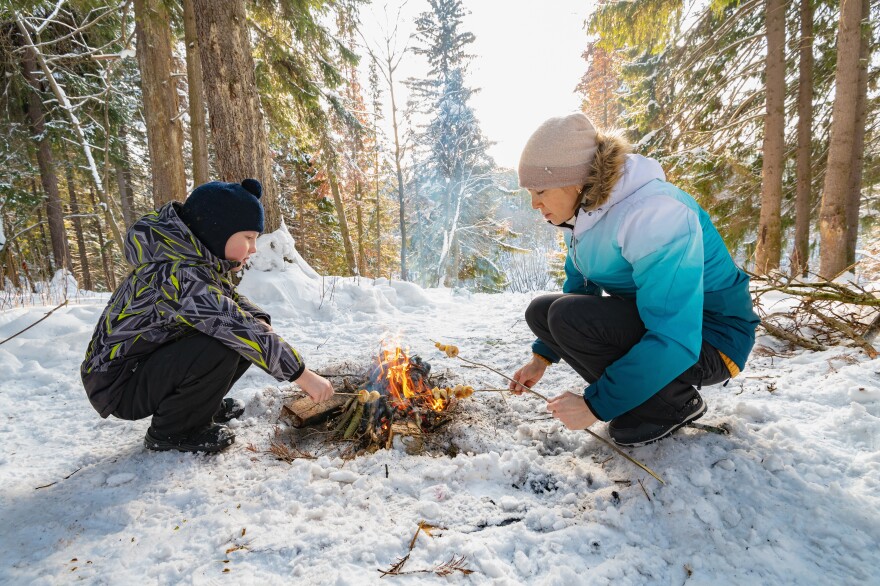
point(652, 307)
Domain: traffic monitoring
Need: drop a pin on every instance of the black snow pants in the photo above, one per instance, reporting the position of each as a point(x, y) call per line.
point(590, 332)
point(181, 384)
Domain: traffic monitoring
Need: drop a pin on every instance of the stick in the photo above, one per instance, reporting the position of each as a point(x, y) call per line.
point(643, 489)
point(598, 437)
point(35, 323)
point(793, 338)
point(845, 329)
point(625, 455)
point(709, 428)
point(536, 393)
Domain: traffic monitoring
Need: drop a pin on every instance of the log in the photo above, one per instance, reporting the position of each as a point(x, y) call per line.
point(304, 412)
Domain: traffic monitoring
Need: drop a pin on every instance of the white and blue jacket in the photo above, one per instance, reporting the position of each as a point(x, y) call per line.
point(652, 242)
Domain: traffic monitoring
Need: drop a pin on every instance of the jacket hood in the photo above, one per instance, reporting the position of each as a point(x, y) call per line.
point(162, 236)
point(637, 172)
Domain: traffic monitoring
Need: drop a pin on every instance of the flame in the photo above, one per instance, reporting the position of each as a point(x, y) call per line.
point(403, 390)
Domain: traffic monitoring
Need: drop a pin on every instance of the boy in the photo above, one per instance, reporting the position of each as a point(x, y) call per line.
point(176, 335)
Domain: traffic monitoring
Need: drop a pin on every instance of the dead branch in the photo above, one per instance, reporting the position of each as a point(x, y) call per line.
point(35, 323)
point(793, 338)
point(843, 328)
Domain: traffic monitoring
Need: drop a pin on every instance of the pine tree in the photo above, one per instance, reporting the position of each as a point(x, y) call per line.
point(769, 248)
point(453, 176)
point(836, 195)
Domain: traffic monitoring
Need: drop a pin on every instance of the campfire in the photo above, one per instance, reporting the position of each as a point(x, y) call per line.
point(396, 397)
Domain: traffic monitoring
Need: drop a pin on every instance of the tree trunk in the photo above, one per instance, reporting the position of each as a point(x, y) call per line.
point(123, 179)
point(238, 130)
point(359, 217)
point(109, 277)
point(800, 255)
point(39, 247)
point(858, 155)
point(77, 227)
point(197, 126)
point(378, 204)
point(343, 223)
point(54, 213)
point(836, 193)
point(769, 227)
point(161, 108)
point(398, 158)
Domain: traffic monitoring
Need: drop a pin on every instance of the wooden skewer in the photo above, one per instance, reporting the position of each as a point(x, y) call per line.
point(598, 437)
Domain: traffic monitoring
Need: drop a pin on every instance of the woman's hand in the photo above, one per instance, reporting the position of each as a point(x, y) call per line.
point(528, 375)
point(315, 386)
point(572, 411)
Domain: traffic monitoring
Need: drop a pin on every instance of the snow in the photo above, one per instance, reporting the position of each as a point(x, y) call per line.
point(791, 496)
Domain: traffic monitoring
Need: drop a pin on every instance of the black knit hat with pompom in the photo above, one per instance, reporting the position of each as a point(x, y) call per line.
point(216, 210)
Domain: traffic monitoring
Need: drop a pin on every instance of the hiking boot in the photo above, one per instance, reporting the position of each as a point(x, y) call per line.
point(632, 431)
point(229, 409)
point(211, 438)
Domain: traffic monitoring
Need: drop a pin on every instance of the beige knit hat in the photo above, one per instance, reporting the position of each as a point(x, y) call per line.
point(559, 153)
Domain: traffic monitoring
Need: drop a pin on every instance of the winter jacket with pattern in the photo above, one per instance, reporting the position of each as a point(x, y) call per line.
point(177, 288)
point(651, 242)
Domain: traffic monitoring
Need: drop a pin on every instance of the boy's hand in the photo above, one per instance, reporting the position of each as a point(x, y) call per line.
point(316, 387)
point(265, 324)
point(528, 375)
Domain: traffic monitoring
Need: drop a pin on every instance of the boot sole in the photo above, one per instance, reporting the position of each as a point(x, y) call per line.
point(157, 445)
point(693, 417)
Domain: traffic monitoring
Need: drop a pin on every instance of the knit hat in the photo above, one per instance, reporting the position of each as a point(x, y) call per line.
point(216, 210)
point(559, 153)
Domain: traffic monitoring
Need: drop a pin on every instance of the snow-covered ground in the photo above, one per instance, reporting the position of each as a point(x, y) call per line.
point(791, 496)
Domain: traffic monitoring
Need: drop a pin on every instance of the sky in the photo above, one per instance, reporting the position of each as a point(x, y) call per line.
point(527, 62)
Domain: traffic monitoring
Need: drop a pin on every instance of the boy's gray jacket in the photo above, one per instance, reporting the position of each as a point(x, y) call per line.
point(177, 288)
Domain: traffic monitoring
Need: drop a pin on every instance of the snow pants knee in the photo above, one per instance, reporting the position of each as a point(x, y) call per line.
point(181, 384)
point(591, 332)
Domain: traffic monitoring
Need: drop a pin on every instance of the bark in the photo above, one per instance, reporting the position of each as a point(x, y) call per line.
point(359, 217)
point(198, 130)
point(800, 255)
point(77, 228)
point(11, 268)
point(398, 166)
point(769, 245)
point(54, 213)
point(858, 156)
point(109, 277)
point(378, 205)
point(160, 103)
point(39, 247)
point(836, 193)
point(123, 179)
point(343, 223)
point(238, 129)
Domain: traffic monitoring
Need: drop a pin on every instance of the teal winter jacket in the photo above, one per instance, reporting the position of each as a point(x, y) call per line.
point(652, 242)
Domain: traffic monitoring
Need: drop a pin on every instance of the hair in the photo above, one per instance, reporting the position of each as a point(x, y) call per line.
point(605, 170)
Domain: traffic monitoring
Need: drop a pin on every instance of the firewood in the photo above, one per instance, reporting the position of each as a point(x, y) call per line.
point(355, 421)
point(305, 412)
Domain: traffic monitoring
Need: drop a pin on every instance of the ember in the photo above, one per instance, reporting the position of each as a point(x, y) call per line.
point(407, 404)
point(395, 397)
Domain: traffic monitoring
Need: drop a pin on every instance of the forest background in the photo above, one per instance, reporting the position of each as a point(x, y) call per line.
point(764, 110)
